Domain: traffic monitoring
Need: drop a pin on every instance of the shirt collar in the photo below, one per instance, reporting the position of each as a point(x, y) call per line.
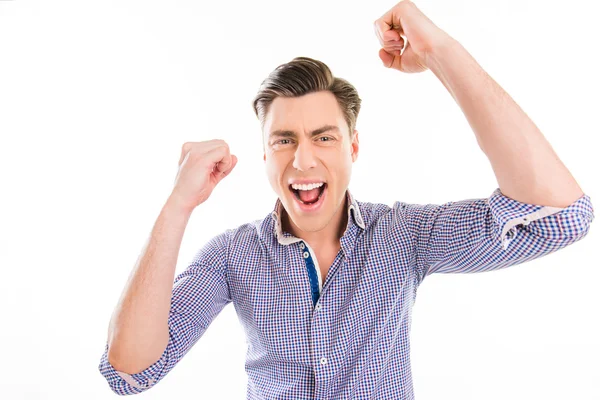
point(287, 238)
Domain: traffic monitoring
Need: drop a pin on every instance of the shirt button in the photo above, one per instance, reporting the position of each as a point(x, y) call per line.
point(302, 246)
point(323, 361)
point(318, 306)
point(305, 254)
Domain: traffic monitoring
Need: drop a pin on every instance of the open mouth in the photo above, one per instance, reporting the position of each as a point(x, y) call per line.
point(309, 197)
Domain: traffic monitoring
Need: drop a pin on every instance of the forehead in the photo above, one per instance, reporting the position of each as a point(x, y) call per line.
point(305, 112)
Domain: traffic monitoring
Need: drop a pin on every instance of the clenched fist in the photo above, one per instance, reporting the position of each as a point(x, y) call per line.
point(406, 20)
point(201, 166)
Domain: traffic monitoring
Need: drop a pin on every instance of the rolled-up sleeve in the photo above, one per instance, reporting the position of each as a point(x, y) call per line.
point(123, 383)
point(199, 294)
point(486, 234)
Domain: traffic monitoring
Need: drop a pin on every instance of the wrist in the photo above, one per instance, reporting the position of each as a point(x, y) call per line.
point(174, 202)
point(446, 47)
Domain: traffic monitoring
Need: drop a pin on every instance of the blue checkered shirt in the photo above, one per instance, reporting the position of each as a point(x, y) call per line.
point(346, 337)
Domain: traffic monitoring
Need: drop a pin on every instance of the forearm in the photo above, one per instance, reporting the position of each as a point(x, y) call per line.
point(526, 167)
point(138, 331)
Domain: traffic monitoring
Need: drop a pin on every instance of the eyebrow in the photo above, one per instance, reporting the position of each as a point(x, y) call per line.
point(289, 133)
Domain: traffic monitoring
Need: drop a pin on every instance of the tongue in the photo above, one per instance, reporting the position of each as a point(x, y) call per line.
point(309, 196)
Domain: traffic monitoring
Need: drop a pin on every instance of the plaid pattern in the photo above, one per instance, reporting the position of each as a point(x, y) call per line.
point(347, 337)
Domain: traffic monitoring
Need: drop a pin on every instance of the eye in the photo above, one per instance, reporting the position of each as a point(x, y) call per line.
point(329, 138)
point(283, 141)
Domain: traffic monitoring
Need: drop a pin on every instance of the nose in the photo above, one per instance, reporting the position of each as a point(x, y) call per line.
point(304, 158)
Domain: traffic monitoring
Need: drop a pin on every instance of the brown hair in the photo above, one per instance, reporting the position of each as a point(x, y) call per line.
point(305, 75)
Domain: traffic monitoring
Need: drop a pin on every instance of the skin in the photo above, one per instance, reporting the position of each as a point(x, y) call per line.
point(526, 167)
point(300, 154)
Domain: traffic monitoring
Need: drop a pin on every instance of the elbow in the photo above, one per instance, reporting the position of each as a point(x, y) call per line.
point(133, 363)
point(126, 376)
point(127, 365)
point(135, 355)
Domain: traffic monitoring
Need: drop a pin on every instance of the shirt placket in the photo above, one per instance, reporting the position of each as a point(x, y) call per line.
point(324, 364)
point(318, 332)
point(314, 273)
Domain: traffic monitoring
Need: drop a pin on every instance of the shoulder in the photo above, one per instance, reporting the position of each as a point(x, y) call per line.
point(232, 245)
point(250, 236)
point(376, 214)
point(396, 217)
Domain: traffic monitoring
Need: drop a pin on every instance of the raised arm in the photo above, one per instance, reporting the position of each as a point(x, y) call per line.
point(526, 167)
point(157, 320)
point(538, 207)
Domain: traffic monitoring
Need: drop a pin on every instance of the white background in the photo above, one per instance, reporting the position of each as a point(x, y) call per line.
point(97, 98)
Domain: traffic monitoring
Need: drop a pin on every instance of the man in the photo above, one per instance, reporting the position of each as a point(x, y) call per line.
point(324, 286)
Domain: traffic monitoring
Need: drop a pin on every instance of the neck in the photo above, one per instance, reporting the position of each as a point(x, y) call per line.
point(330, 234)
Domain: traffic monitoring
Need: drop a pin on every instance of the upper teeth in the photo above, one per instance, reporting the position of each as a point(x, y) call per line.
point(309, 186)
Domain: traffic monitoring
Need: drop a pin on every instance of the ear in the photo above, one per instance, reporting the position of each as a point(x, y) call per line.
point(354, 146)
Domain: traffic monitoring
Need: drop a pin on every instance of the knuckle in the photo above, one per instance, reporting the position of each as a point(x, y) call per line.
point(223, 145)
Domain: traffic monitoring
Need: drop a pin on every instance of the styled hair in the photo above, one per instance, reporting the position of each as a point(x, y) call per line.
point(305, 75)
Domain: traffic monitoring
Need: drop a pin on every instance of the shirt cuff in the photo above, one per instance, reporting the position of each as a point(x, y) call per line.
point(124, 383)
point(509, 214)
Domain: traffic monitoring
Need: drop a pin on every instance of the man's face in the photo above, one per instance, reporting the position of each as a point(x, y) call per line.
point(307, 143)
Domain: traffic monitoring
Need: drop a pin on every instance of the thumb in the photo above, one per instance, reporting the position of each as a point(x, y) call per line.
point(234, 161)
point(386, 58)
